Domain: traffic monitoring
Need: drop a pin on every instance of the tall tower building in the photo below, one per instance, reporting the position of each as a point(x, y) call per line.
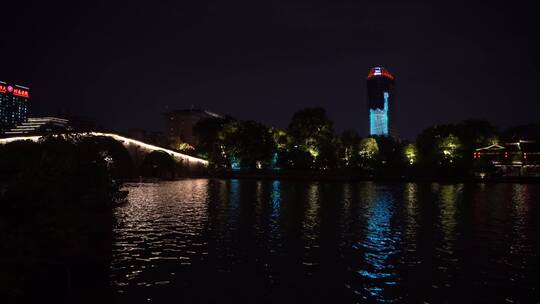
point(380, 90)
point(13, 105)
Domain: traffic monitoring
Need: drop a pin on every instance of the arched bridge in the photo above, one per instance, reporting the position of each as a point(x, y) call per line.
point(136, 148)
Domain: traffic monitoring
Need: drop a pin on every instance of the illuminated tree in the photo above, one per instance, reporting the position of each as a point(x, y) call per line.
point(228, 141)
point(179, 145)
point(349, 143)
point(368, 148)
point(476, 133)
point(368, 151)
point(248, 143)
point(427, 143)
point(449, 148)
point(312, 135)
point(411, 154)
point(280, 137)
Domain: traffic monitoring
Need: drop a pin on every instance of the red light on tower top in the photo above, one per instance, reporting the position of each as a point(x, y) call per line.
point(379, 72)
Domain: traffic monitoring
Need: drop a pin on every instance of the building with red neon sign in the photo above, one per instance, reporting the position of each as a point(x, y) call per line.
point(13, 105)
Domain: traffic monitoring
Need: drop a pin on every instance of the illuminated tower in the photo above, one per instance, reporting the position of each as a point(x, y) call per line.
point(13, 105)
point(380, 90)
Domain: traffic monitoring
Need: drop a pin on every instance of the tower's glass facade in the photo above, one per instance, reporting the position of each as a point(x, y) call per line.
point(13, 105)
point(380, 89)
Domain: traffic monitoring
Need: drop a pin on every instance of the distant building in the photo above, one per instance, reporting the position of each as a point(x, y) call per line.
point(380, 91)
point(180, 123)
point(39, 125)
point(520, 158)
point(13, 105)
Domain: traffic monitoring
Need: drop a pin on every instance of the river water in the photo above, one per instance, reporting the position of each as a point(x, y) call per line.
point(250, 241)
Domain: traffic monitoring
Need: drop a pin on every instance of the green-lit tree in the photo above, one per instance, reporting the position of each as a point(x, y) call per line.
point(427, 143)
point(440, 151)
point(449, 149)
point(368, 152)
point(249, 143)
point(410, 154)
point(281, 139)
point(312, 136)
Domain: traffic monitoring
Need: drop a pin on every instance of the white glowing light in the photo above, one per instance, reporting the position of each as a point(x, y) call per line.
point(123, 140)
point(149, 147)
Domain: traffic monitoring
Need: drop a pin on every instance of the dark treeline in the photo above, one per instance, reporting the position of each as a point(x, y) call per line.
point(311, 143)
point(56, 217)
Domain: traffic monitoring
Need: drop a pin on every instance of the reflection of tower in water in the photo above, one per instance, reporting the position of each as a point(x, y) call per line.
point(275, 201)
point(379, 248)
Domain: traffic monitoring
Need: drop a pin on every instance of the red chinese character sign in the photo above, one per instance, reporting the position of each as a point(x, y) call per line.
point(16, 91)
point(21, 93)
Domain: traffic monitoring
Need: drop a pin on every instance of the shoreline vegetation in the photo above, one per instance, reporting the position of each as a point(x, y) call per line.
point(56, 220)
point(311, 146)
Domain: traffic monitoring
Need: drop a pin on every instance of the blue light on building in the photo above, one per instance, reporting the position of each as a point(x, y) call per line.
point(380, 84)
point(378, 119)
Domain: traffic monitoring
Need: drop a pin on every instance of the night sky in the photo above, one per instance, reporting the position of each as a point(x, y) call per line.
point(125, 64)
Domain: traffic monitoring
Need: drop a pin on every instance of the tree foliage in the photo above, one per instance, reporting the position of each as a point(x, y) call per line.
point(309, 143)
point(55, 208)
point(312, 133)
point(207, 131)
point(248, 142)
point(116, 156)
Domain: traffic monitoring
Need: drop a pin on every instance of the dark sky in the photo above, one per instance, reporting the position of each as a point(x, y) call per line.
point(125, 64)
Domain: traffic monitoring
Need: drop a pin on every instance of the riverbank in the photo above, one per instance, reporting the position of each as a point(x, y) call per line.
point(340, 176)
point(348, 176)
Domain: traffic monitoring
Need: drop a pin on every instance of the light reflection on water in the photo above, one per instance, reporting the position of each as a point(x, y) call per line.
point(378, 246)
point(208, 241)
